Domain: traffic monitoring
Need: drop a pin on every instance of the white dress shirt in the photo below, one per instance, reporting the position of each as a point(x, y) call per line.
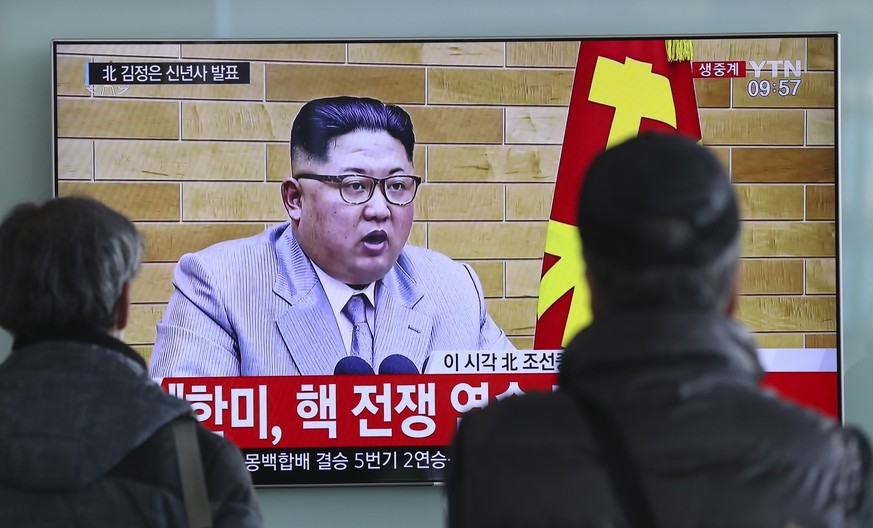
point(339, 293)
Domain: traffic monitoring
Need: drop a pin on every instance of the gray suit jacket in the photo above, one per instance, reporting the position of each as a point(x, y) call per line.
point(255, 306)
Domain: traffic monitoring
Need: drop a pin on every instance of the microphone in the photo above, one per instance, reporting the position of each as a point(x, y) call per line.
point(397, 364)
point(352, 365)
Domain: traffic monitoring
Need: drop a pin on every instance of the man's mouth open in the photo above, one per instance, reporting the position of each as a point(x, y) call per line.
point(375, 242)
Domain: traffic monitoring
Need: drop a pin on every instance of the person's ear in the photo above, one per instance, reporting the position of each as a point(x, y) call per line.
point(122, 310)
point(292, 198)
point(597, 308)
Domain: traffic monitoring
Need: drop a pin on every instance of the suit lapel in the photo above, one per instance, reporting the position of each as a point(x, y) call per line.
point(309, 327)
point(400, 329)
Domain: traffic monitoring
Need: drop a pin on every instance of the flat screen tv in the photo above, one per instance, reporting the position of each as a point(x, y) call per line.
point(190, 139)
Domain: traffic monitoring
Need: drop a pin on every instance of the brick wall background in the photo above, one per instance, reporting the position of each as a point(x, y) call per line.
point(195, 165)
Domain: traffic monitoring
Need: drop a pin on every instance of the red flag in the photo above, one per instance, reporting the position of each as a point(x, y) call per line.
point(621, 88)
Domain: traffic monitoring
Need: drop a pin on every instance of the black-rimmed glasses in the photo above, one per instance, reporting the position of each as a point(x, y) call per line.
point(356, 189)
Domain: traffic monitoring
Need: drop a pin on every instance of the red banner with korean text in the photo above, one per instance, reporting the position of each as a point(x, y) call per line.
point(401, 410)
point(347, 411)
point(398, 428)
point(621, 88)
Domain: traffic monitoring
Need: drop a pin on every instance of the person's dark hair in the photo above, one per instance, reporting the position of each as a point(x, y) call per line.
point(322, 120)
point(63, 264)
point(659, 225)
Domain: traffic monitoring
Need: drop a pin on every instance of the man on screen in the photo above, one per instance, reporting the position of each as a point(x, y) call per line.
point(336, 289)
point(659, 419)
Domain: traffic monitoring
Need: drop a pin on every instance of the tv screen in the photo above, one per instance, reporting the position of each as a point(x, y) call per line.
point(468, 164)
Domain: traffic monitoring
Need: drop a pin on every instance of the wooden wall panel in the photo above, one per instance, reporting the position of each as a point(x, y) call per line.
point(165, 160)
point(238, 121)
point(93, 118)
point(820, 127)
point(820, 202)
point(438, 201)
point(70, 76)
point(133, 50)
point(303, 82)
point(779, 340)
point(788, 239)
point(535, 125)
point(435, 124)
point(523, 278)
point(514, 316)
point(749, 49)
point(321, 52)
point(771, 276)
point(168, 242)
point(787, 314)
point(783, 165)
point(820, 53)
point(493, 164)
point(713, 93)
point(75, 159)
point(821, 276)
point(432, 53)
point(419, 234)
point(820, 340)
point(770, 202)
point(543, 54)
point(529, 201)
point(499, 87)
point(232, 202)
point(153, 284)
point(491, 276)
point(467, 240)
point(752, 127)
point(138, 201)
point(142, 324)
point(522, 342)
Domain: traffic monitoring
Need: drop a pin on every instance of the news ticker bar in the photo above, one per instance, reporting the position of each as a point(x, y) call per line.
point(346, 465)
point(408, 410)
point(121, 73)
point(353, 410)
point(539, 361)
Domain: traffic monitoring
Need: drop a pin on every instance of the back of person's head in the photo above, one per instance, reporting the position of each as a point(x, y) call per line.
point(64, 264)
point(660, 226)
point(322, 120)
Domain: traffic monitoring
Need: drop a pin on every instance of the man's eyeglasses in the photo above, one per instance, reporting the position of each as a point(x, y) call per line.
point(356, 189)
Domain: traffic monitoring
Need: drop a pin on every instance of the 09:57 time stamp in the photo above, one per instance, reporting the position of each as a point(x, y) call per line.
point(781, 88)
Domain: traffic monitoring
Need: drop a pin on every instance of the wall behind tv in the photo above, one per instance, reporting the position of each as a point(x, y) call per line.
point(25, 143)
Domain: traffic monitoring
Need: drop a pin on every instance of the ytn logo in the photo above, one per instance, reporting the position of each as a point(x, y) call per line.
point(777, 67)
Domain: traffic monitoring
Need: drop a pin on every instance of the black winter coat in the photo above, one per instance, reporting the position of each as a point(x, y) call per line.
point(712, 447)
point(85, 441)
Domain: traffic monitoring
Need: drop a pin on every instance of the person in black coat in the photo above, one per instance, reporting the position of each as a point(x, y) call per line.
point(86, 436)
point(659, 418)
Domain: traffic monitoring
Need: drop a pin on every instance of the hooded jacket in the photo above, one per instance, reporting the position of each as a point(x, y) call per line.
point(85, 440)
point(712, 448)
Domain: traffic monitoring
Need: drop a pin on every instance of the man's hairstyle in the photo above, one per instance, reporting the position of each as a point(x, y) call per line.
point(322, 120)
point(63, 265)
point(659, 225)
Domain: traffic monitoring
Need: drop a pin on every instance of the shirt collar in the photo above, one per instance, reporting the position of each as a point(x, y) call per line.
point(338, 293)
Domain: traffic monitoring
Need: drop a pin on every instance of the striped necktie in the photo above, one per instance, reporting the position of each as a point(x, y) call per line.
point(362, 338)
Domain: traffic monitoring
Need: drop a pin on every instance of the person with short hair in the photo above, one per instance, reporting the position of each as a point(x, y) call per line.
point(338, 280)
point(659, 418)
point(85, 434)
